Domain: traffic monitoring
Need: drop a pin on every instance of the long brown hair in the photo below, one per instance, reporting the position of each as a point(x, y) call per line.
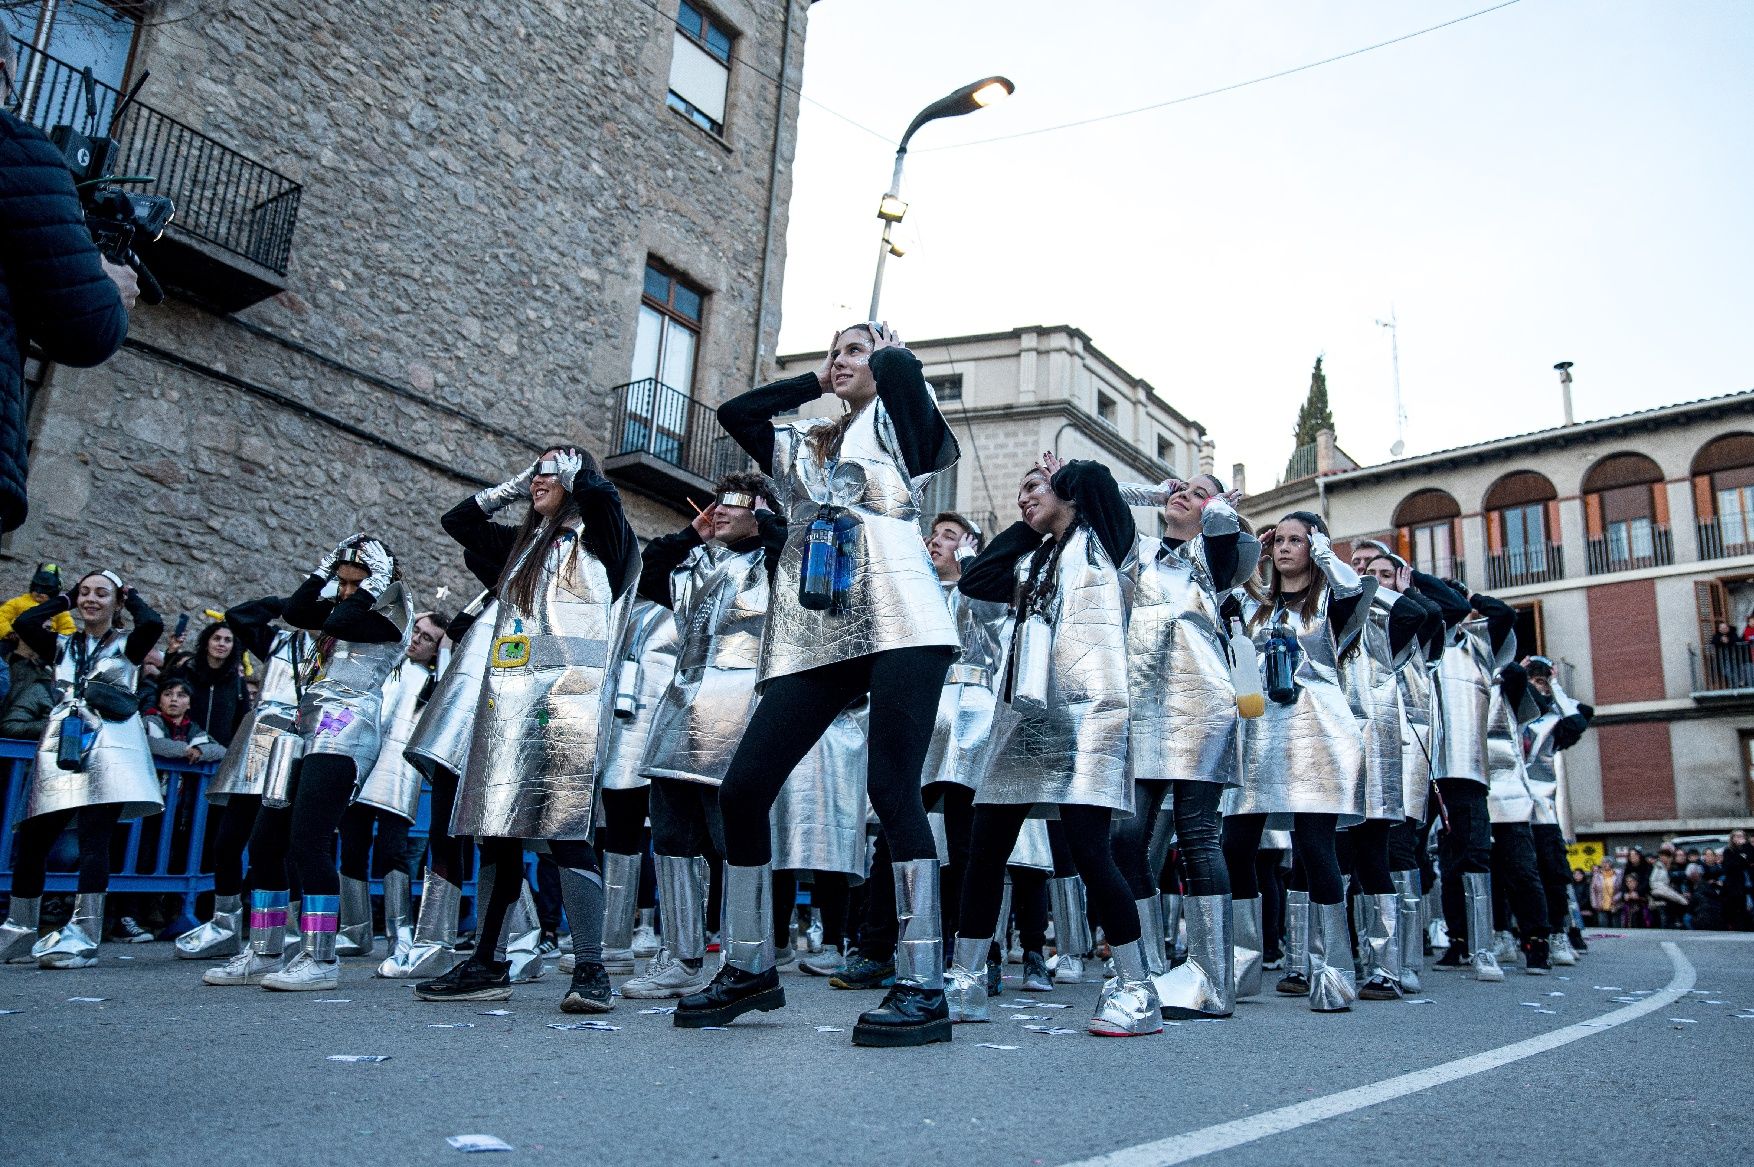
point(1313, 597)
point(825, 440)
point(524, 567)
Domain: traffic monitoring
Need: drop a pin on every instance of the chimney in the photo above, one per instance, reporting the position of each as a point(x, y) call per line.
point(1325, 452)
point(1208, 456)
point(1236, 470)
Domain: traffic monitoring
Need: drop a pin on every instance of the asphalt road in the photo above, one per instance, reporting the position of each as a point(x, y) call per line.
point(164, 1070)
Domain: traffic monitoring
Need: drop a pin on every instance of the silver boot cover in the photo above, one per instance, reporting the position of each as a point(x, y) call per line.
point(1332, 988)
point(353, 935)
point(1379, 941)
point(1250, 951)
point(620, 898)
point(1297, 933)
point(18, 935)
point(682, 892)
point(75, 945)
point(1071, 925)
point(1128, 1005)
point(965, 985)
point(748, 918)
point(1201, 985)
point(433, 950)
point(1151, 939)
point(919, 949)
point(523, 939)
point(1412, 934)
point(398, 914)
point(220, 936)
point(1173, 916)
point(1477, 898)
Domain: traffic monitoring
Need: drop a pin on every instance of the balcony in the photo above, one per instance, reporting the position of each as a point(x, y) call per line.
point(668, 444)
point(1518, 566)
point(232, 236)
point(1721, 673)
point(1726, 536)
point(1649, 546)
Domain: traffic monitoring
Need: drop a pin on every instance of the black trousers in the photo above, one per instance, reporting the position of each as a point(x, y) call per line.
point(1554, 866)
point(360, 857)
point(1369, 845)
point(624, 820)
point(506, 857)
point(1086, 834)
point(1269, 880)
point(34, 837)
point(903, 685)
point(444, 852)
point(685, 818)
point(304, 832)
point(1315, 861)
point(1514, 869)
point(1199, 846)
point(237, 818)
point(1464, 849)
point(879, 927)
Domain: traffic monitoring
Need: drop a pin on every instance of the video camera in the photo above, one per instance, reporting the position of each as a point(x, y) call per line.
point(114, 216)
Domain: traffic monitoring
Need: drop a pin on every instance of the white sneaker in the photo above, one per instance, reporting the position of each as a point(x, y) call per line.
point(668, 979)
point(246, 968)
point(1486, 968)
point(1068, 969)
point(305, 974)
point(645, 941)
point(830, 962)
point(616, 961)
point(785, 958)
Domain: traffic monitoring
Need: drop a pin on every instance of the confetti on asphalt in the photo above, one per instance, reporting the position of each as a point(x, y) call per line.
point(1532, 1005)
point(715, 1029)
point(1748, 1016)
point(86, 1000)
point(1683, 1021)
point(1611, 988)
point(1625, 1000)
point(1556, 993)
point(124, 958)
point(334, 1000)
point(359, 1057)
point(1050, 1030)
point(450, 1025)
point(1049, 1005)
point(1420, 1001)
point(473, 1143)
point(1717, 1002)
point(996, 1045)
point(829, 1029)
point(1548, 1012)
point(599, 1026)
point(658, 1011)
point(1030, 1017)
point(495, 1013)
point(9, 1012)
point(1011, 1005)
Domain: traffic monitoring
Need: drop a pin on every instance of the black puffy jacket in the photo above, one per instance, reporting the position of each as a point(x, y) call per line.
point(53, 289)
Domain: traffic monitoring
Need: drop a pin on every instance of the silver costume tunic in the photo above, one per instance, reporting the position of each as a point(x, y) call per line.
point(818, 820)
point(721, 602)
point(896, 601)
point(1369, 676)
point(546, 703)
point(1507, 786)
point(962, 739)
point(393, 784)
point(1414, 679)
point(1543, 772)
point(1461, 694)
point(447, 724)
point(1183, 711)
point(341, 708)
point(1068, 743)
point(648, 661)
point(275, 715)
point(1306, 757)
point(119, 766)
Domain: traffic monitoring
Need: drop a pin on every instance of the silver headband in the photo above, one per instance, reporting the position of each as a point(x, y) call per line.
point(548, 466)
point(351, 555)
point(737, 498)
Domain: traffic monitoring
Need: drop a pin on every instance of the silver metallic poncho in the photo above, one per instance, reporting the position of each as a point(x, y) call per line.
point(393, 784)
point(119, 765)
point(340, 710)
point(1507, 785)
point(447, 725)
point(275, 715)
point(1068, 743)
point(648, 661)
point(962, 738)
point(1306, 757)
point(1414, 679)
point(546, 702)
point(1545, 773)
point(1369, 675)
point(818, 820)
point(896, 600)
point(721, 601)
point(1461, 694)
point(1184, 719)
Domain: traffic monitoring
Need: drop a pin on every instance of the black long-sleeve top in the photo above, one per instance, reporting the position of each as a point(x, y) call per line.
point(488, 546)
point(1500, 619)
point(252, 622)
point(1452, 606)
point(925, 438)
point(991, 574)
point(351, 619)
point(1407, 618)
point(32, 627)
point(665, 554)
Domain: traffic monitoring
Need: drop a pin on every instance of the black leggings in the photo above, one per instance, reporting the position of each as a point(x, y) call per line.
point(1029, 904)
point(36, 836)
point(304, 831)
point(1555, 868)
point(359, 858)
point(1369, 844)
point(795, 711)
point(1198, 825)
point(958, 805)
point(685, 818)
point(1312, 843)
point(237, 818)
point(506, 857)
point(444, 852)
point(624, 820)
point(828, 895)
point(1465, 848)
point(1087, 836)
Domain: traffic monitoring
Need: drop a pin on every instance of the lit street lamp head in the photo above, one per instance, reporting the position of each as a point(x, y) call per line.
point(975, 95)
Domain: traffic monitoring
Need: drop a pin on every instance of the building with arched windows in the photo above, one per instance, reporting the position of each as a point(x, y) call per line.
point(1627, 545)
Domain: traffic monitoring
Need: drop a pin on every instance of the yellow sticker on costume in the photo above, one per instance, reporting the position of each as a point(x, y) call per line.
point(509, 652)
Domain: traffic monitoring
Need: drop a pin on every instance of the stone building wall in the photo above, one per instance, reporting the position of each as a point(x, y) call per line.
point(483, 184)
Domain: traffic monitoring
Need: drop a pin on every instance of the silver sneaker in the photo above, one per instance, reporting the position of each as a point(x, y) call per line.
point(668, 979)
point(304, 974)
point(246, 968)
point(965, 985)
point(1128, 1005)
point(826, 965)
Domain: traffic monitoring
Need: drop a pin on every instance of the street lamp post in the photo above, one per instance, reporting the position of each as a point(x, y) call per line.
point(975, 95)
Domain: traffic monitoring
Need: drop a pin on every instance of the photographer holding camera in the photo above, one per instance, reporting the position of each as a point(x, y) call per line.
point(56, 289)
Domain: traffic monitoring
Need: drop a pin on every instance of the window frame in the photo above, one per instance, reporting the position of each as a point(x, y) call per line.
point(710, 22)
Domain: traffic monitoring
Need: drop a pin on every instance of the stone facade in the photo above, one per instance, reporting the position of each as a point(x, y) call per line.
point(483, 185)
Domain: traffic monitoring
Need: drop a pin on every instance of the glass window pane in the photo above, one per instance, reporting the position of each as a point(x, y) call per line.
point(647, 340)
point(1643, 545)
point(687, 302)
point(657, 285)
point(20, 21)
point(676, 366)
point(689, 17)
point(719, 42)
point(698, 77)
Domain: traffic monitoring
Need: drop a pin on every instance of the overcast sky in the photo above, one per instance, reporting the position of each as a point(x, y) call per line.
point(1560, 179)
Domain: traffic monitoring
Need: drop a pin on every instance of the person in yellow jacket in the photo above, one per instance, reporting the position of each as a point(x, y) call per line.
point(44, 586)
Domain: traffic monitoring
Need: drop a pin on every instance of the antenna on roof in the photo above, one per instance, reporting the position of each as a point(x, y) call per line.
point(1400, 445)
point(1564, 368)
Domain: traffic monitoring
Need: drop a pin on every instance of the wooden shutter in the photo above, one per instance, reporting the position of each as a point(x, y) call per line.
point(1404, 544)
point(1592, 515)
point(1704, 498)
point(1711, 605)
point(1494, 532)
point(1659, 504)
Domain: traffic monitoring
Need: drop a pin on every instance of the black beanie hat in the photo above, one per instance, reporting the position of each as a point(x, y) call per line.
point(47, 579)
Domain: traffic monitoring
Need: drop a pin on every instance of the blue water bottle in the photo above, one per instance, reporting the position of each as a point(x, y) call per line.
point(1279, 665)
point(846, 561)
point(816, 578)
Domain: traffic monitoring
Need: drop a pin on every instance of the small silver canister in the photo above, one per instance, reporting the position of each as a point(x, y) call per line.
point(1035, 645)
point(277, 775)
point(627, 698)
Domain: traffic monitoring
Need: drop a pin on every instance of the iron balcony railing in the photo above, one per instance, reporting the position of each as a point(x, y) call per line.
point(1722, 669)
point(1442, 566)
point(1725, 536)
point(1609, 555)
point(1516, 566)
point(652, 418)
point(222, 197)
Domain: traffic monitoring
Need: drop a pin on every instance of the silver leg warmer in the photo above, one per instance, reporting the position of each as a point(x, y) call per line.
point(354, 931)
point(18, 935)
point(620, 898)
point(1202, 985)
point(965, 988)
point(432, 951)
point(1477, 897)
point(523, 938)
point(1002, 932)
point(1174, 910)
point(75, 945)
point(919, 949)
point(398, 913)
point(1410, 907)
point(1332, 988)
point(682, 889)
point(1297, 932)
point(1071, 920)
point(1379, 941)
point(1151, 938)
point(1250, 949)
point(748, 918)
point(220, 936)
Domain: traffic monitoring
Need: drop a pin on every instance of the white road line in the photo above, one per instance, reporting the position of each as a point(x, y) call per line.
point(1225, 1135)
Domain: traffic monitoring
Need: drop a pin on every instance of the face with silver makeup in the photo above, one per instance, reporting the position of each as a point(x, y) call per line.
point(1045, 512)
point(1181, 511)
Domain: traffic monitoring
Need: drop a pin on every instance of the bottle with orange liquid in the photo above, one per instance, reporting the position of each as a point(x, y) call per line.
point(1245, 673)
